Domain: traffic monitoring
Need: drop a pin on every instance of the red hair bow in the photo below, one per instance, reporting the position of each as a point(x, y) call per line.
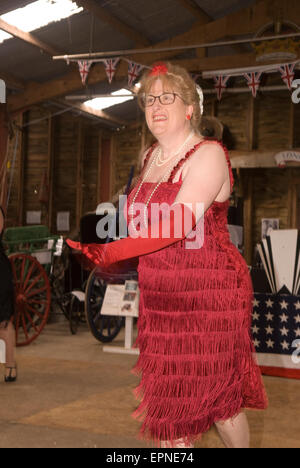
point(159, 69)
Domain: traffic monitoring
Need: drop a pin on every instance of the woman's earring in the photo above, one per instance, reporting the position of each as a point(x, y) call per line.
point(189, 117)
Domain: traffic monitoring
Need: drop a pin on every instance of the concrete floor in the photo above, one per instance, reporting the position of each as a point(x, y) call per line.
point(70, 394)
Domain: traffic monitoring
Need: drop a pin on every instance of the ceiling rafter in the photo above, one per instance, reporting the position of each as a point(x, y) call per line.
point(27, 37)
point(82, 108)
point(195, 10)
point(71, 82)
point(245, 21)
point(103, 15)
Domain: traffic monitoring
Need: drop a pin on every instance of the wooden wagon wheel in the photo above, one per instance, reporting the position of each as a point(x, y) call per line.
point(32, 297)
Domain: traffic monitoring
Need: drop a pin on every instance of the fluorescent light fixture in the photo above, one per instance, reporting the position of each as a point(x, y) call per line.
point(38, 14)
point(106, 102)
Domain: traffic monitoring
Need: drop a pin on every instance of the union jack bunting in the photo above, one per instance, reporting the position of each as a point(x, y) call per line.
point(84, 68)
point(253, 80)
point(111, 68)
point(276, 333)
point(287, 74)
point(220, 84)
point(134, 69)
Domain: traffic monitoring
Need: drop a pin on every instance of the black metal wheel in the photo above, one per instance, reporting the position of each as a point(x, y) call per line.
point(103, 327)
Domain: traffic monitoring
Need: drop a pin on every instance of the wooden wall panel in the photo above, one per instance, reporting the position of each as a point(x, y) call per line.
point(273, 121)
point(65, 168)
point(35, 161)
point(90, 165)
point(232, 110)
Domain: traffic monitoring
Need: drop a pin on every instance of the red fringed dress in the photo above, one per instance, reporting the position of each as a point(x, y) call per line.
point(196, 350)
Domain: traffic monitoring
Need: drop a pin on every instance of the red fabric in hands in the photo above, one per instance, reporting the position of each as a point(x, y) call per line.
point(169, 229)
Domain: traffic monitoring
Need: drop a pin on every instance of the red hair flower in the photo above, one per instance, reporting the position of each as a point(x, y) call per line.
point(159, 69)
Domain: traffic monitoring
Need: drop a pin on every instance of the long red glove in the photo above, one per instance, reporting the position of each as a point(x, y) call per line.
point(181, 222)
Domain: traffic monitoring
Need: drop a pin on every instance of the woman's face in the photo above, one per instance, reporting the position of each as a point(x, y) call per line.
point(167, 120)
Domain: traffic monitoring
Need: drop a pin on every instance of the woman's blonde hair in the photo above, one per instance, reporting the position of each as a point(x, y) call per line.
point(174, 78)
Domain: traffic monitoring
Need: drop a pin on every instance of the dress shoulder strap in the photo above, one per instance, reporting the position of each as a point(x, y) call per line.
point(193, 150)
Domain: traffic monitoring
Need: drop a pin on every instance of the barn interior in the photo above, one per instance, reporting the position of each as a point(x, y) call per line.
point(67, 146)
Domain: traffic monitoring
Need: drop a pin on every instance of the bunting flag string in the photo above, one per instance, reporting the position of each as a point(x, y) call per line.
point(287, 74)
point(253, 80)
point(111, 68)
point(84, 68)
point(134, 69)
point(221, 84)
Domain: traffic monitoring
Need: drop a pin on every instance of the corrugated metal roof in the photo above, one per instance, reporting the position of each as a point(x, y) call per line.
point(10, 5)
point(156, 20)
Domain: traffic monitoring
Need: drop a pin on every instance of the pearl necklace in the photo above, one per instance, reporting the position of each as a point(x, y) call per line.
point(131, 209)
point(160, 162)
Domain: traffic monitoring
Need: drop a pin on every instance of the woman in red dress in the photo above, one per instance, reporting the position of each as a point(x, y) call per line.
point(196, 351)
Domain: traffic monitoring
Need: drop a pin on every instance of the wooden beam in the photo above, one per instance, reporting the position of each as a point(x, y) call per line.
point(50, 167)
point(21, 156)
point(195, 10)
point(36, 93)
point(248, 212)
point(103, 15)
point(27, 37)
point(250, 123)
point(105, 173)
point(292, 126)
point(245, 21)
point(79, 173)
point(3, 152)
point(100, 114)
point(12, 82)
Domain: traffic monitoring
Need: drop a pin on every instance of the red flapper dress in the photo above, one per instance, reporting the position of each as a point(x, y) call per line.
point(196, 353)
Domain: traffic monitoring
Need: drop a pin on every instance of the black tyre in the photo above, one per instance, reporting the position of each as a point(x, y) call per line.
point(103, 327)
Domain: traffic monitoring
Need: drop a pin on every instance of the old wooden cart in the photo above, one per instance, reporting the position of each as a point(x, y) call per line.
point(31, 250)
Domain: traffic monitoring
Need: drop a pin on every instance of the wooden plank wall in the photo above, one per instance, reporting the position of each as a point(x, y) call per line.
point(63, 152)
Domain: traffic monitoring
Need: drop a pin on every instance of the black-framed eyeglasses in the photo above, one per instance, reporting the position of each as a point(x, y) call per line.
point(165, 99)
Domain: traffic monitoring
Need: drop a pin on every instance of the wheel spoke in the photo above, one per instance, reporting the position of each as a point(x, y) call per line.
point(32, 267)
point(37, 291)
point(34, 283)
point(24, 326)
point(31, 321)
point(36, 312)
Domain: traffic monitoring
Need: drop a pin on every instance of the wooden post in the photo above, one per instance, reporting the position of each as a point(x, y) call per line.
point(106, 165)
point(250, 125)
point(248, 212)
point(21, 167)
point(79, 176)
point(292, 126)
point(3, 150)
point(50, 169)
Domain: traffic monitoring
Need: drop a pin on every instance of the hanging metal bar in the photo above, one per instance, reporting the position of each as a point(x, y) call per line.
point(151, 50)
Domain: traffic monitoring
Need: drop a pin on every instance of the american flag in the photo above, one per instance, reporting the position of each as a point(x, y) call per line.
point(276, 333)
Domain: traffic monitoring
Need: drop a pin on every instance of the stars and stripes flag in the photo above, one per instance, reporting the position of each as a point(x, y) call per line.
point(276, 334)
point(134, 69)
point(110, 66)
point(220, 84)
point(84, 68)
point(287, 74)
point(253, 81)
